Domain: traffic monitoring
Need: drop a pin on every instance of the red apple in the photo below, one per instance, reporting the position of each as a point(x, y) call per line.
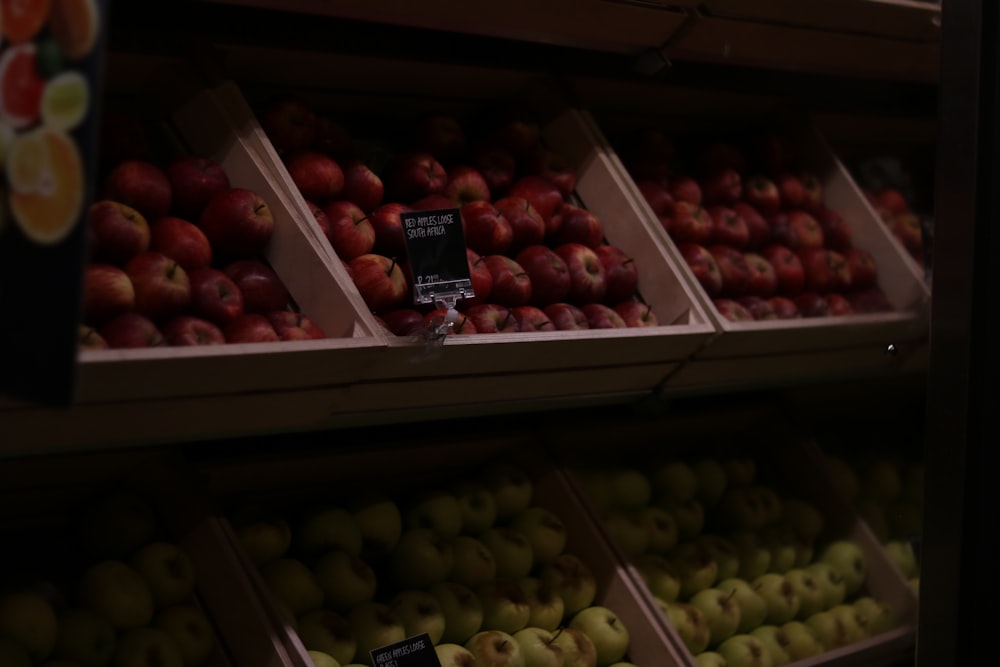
point(162, 288)
point(250, 328)
point(492, 318)
point(658, 197)
point(796, 229)
point(542, 194)
point(547, 272)
point(907, 228)
point(532, 318)
point(601, 316)
point(861, 264)
point(784, 308)
point(690, 223)
point(262, 289)
point(319, 216)
point(435, 318)
point(813, 194)
point(763, 278)
point(390, 240)
point(482, 279)
point(734, 269)
point(519, 135)
point(512, 285)
point(762, 193)
point(117, 231)
point(194, 179)
point(141, 185)
point(811, 304)
point(130, 330)
point(686, 188)
point(758, 229)
point(577, 225)
point(733, 310)
point(837, 304)
point(293, 325)
point(317, 175)
point(636, 314)
point(588, 280)
point(351, 232)
point(553, 167)
point(411, 176)
point(704, 267)
point(826, 270)
point(728, 227)
point(107, 291)
point(362, 186)
point(238, 223)
point(787, 267)
point(333, 139)
point(191, 330)
point(487, 230)
point(381, 282)
point(497, 165)
point(404, 321)
point(466, 184)
point(215, 296)
point(289, 122)
point(566, 316)
point(620, 271)
point(836, 231)
point(791, 191)
point(722, 187)
point(892, 201)
point(440, 135)
point(760, 307)
point(181, 241)
point(526, 224)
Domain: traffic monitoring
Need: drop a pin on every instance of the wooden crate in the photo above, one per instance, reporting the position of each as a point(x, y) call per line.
point(399, 468)
point(589, 361)
point(43, 498)
point(769, 350)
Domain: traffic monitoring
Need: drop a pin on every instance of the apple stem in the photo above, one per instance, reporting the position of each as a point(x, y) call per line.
point(558, 632)
point(510, 314)
point(391, 267)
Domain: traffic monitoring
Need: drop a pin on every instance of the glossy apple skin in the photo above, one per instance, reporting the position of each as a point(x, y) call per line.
point(117, 232)
point(130, 330)
point(190, 330)
point(351, 232)
point(548, 273)
point(486, 229)
point(140, 184)
point(566, 316)
point(238, 223)
point(512, 284)
point(317, 175)
point(107, 292)
point(621, 272)
point(182, 241)
point(262, 289)
point(588, 280)
point(380, 280)
point(162, 287)
point(215, 296)
point(194, 179)
point(362, 186)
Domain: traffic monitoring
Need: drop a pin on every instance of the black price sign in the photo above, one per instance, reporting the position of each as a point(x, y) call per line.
point(416, 651)
point(435, 245)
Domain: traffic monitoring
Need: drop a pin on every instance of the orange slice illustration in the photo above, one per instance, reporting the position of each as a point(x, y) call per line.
point(74, 25)
point(23, 19)
point(46, 193)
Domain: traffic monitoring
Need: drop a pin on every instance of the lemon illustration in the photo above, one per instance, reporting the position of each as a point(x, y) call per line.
point(65, 100)
point(27, 162)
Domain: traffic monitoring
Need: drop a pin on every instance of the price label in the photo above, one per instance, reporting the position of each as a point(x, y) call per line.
point(435, 246)
point(416, 651)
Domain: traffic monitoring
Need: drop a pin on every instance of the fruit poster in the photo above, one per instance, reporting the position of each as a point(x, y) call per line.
point(50, 64)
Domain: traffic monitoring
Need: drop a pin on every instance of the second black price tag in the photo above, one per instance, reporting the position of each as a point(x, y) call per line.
point(435, 245)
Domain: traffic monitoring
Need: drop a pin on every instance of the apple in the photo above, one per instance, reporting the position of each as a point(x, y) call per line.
point(871, 300)
point(685, 188)
point(238, 222)
point(88, 338)
point(328, 527)
point(787, 267)
point(462, 609)
point(695, 567)
point(728, 227)
point(566, 317)
point(191, 630)
point(107, 292)
point(465, 184)
point(722, 186)
point(147, 647)
point(778, 592)
point(486, 229)
point(293, 325)
point(776, 641)
point(721, 612)
point(289, 122)
point(836, 231)
point(826, 270)
point(29, 620)
point(140, 184)
point(320, 659)
point(420, 559)
point(419, 612)
point(577, 648)
point(606, 630)
point(81, 635)
point(811, 304)
point(660, 201)
point(362, 186)
point(892, 201)
point(539, 648)
point(861, 267)
point(190, 330)
point(250, 328)
point(901, 553)
point(162, 288)
point(511, 549)
point(547, 273)
point(476, 504)
point(907, 228)
point(532, 318)
point(413, 175)
point(374, 625)
point(710, 659)
point(759, 307)
point(194, 179)
point(454, 655)
point(117, 232)
point(350, 231)
point(690, 624)
point(511, 487)
point(526, 223)
point(796, 229)
point(753, 607)
point(636, 314)
point(118, 592)
point(733, 267)
point(762, 193)
point(293, 583)
point(812, 596)
point(744, 650)
point(439, 134)
point(812, 192)
point(689, 223)
point(874, 615)
point(264, 537)
point(261, 289)
point(601, 316)
point(435, 510)
point(390, 239)
point(482, 279)
point(495, 648)
point(554, 167)
point(512, 283)
point(577, 225)
point(181, 241)
point(588, 279)
point(621, 274)
point(723, 551)
point(783, 307)
point(497, 165)
point(168, 570)
point(505, 605)
point(543, 196)
point(380, 280)
point(317, 176)
point(545, 608)
point(475, 565)
point(346, 579)
point(849, 561)
point(829, 629)
point(519, 134)
point(838, 304)
point(830, 581)
point(659, 575)
point(492, 318)
point(703, 265)
point(572, 580)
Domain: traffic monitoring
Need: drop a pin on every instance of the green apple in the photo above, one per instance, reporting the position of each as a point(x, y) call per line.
point(84, 636)
point(689, 623)
point(848, 559)
point(320, 659)
point(745, 650)
point(855, 623)
point(689, 515)
point(843, 477)
point(740, 470)
point(577, 648)
point(830, 581)
point(545, 532)
point(626, 529)
point(572, 580)
point(711, 480)
point(779, 594)
point(742, 508)
point(829, 629)
point(664, 533)
point(776, 641)
point(420, 559)
point(803, 517)
point(264, 538)
point(168, 570)
point(373, 626)
point(435, 510)
point(659, 575)
point(812, 596)
point(723, 552)
point(328, 528)
point(419, 612)
point(380, 521)
point(695, 566)
point(29, 619)
point(13, 654)
point(674, 479)
point(606, 630)
point(781, 542)
point(511, 487)
point(802, 642)
point(192, 632)
point(505, 606)
point(474, 563)
point(463, 612)
point(454, 655)
point(116, 525)
point(329, 632)
point(119, 593)
point(539, 648)
point(629, 488)
point(753, 608)
point(512, 552)
point(721, 612)
point(147, 647)
point(710, 659)
point(546, 607)
point(876, 616)
point(754, 557)
point(495, 648)
point(477, 505)
point(292, 582)
point(345, 579)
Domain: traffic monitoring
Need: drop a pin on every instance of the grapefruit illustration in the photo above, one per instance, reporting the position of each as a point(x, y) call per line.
point(48, 199)
point(20, 86)
point(23, 19)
